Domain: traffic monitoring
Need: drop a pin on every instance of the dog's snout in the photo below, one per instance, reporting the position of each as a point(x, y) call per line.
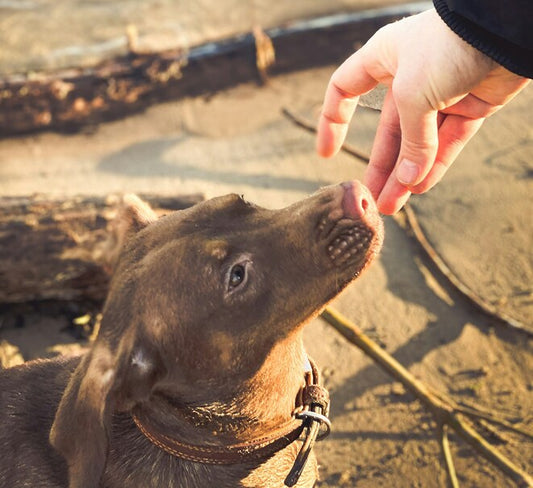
point(356, 200)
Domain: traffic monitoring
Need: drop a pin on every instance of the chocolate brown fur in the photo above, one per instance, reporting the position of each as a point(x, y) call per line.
point(207, 357)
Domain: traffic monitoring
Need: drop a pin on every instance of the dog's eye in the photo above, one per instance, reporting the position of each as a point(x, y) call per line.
point(236, 276)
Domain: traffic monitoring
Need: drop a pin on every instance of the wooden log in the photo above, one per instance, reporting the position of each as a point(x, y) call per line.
point(52, 250)
point(69, 99)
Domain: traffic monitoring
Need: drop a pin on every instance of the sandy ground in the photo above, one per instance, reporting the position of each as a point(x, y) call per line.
point(479, 219)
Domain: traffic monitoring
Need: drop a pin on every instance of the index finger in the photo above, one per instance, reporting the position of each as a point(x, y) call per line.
point(349, 81)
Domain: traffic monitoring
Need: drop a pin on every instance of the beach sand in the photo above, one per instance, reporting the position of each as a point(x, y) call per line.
point(479, 219)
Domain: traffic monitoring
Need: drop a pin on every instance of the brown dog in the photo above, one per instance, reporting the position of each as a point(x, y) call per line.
point(199, 353)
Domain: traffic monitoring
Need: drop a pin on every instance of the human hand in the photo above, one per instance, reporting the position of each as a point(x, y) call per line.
point(441, 89)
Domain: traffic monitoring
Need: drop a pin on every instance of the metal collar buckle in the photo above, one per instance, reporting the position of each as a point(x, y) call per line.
point(324, 423)
point(316, 424)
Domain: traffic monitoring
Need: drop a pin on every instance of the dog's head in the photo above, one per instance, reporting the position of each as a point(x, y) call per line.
point(199, 297)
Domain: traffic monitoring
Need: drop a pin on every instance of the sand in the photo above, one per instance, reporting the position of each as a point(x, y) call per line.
point(478, 218)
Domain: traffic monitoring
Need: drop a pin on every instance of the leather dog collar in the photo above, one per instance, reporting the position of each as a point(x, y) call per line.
point(309, 416)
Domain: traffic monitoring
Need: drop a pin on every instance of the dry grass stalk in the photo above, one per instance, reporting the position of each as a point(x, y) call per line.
point(446, 412)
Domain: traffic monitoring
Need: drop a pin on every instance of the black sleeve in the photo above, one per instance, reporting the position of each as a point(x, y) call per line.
point(501, 29)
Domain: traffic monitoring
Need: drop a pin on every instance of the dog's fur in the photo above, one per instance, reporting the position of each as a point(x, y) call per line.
point(204, 356)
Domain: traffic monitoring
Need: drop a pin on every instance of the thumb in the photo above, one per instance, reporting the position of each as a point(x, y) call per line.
point(419, 143)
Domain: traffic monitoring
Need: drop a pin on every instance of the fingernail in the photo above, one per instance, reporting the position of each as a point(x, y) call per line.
point(407, 173)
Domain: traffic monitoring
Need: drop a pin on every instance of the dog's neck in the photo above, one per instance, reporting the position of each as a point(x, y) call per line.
point(258, 405)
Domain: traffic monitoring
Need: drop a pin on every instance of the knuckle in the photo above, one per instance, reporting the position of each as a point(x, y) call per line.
point(402, 93)
point(408, 95)
point(341, 106)
point(333, 118)
point(418, 147)
point(335, 84)
point(392, 130)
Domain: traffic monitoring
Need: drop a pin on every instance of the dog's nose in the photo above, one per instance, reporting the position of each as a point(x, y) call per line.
point(357, 199)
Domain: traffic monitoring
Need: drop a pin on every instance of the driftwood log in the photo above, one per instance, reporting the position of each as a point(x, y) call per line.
point(66, 100)
point(53, 250)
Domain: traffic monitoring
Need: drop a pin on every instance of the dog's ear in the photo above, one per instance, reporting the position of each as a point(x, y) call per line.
point(105, 381)
point(133, 214)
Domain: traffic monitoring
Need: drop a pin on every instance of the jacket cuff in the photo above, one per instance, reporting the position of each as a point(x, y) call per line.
point(515, 58)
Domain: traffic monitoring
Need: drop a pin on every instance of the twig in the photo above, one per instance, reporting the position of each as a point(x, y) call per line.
point(454, 281)
point(482, 415)
point(474, 413)
point(492, 434)
point(300, 122)
point(428, 249)
point(447, 454)
point(265, 56)
point(443, 409)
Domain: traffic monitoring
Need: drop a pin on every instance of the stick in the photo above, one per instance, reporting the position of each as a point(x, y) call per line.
point(447, 455)
point(304, 124)
point(482, 305)
point(474, 413)
point(442, 408)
